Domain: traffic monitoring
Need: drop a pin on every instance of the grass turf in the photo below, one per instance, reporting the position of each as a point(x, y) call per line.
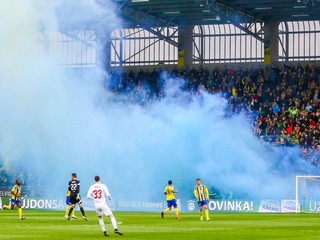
point(52, 225)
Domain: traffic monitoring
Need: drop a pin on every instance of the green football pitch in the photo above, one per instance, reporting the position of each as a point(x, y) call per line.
point(53, 225)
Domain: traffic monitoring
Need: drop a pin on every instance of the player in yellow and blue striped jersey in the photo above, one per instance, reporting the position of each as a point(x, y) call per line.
point(201, 193)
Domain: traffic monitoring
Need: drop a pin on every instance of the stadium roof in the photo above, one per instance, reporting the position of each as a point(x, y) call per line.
point(191, 12)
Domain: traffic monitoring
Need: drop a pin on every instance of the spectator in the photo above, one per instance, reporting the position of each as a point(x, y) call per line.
point(282, 102)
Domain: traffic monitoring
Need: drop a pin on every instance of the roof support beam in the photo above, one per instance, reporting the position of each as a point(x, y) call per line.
point(223, 8)
point(75, 37)
point(143, 20)
point(153, 31)
point(246, 30)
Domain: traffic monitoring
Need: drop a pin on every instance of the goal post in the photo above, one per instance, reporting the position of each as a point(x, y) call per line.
point(307, 190)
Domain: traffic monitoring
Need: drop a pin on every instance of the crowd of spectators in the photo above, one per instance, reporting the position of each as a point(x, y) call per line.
point(281, 103)
point(5, 179)
point(8, 176)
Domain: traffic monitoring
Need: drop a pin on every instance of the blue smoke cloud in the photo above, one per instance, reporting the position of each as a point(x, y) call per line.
point(56, 123)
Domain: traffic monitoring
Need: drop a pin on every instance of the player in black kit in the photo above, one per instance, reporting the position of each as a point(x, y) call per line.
point(75, 198)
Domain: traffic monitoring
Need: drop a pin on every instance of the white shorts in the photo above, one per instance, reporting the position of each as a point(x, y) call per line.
point(102, 208)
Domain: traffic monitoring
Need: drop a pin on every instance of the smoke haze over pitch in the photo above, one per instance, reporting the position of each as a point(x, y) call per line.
point(57, 123)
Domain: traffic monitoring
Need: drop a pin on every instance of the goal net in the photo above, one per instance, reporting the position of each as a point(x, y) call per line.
point(308, 194)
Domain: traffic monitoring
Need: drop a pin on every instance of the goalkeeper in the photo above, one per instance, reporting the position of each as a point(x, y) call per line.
point(75, 198)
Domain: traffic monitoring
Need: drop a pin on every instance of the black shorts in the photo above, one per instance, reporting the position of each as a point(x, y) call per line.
point(74, 200)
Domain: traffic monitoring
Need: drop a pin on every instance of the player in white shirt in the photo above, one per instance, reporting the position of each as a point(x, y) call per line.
point(97, 192)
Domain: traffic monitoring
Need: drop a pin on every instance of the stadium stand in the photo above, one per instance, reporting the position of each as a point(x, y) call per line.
point(281, 103)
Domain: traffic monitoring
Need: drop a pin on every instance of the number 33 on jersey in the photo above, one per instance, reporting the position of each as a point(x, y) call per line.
point(98, 193)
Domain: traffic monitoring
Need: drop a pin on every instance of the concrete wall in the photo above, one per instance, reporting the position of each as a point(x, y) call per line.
point(212, 66)
point(95, 71)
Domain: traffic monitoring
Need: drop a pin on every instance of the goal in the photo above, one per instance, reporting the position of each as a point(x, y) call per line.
point(307, 194)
